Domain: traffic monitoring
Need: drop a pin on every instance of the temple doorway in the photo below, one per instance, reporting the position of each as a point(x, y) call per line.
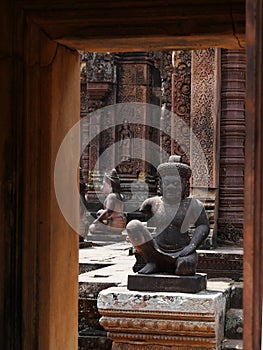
point(206, 89)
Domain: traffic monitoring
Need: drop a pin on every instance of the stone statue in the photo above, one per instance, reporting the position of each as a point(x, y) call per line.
point(173, 250)
point(111, 219)
point(125, 142)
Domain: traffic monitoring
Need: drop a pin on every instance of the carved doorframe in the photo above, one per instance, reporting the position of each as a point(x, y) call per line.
point(253, 184)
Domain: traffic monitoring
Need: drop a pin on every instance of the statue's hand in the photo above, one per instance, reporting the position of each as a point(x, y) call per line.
point(189, 249)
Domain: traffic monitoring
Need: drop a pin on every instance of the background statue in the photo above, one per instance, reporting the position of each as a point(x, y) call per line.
point(126, 137)
point(173, 250)
point(111, 219)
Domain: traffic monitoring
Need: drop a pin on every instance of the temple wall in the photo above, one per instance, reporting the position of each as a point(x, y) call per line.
point(207, 93)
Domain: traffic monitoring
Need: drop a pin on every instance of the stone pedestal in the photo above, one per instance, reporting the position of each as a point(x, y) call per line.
point(167, 283)
point(161, 321)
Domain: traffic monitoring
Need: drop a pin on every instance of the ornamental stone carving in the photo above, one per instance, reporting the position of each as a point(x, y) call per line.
point(141, 320)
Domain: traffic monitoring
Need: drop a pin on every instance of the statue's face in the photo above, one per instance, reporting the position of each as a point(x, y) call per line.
point(172, 188)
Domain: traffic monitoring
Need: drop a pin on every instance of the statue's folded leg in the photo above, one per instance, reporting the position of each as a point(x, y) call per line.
point(142, 241)
point(186, 265)
point(138, 233)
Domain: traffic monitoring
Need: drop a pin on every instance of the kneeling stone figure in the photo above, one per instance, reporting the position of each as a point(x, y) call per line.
point(173, 250)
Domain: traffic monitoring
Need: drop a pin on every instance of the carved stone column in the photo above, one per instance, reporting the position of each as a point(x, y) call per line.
point(232, 139)
point(175, 70)
point(137, 81)
point(97, 91)
point(204, 122)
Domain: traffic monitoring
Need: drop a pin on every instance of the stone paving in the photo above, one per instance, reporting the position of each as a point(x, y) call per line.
point(106, 265)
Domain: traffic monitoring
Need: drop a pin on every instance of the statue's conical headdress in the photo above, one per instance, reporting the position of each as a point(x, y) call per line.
point(175, 166)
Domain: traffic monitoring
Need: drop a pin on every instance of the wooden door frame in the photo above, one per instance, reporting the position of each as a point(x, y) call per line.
point(112, 34)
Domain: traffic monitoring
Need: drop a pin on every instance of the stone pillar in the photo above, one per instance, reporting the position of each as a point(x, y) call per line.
point(205, 80)
point(232, 143)
point(137, 81)
point(175, 70)
point(105, 80)
point(163, 321)
point(97, 90)
point(181, 103)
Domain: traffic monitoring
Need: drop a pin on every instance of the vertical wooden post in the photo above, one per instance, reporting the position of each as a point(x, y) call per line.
point(50, 246)
point(253, 210)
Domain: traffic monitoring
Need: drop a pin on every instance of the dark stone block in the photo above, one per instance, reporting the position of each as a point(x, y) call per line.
point(95, 340)
point(218, 263)
point(167, 283)
point(237, 296)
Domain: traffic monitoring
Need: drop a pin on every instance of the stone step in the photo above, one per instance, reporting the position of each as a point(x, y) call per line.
point(221, 263)
point(95, 340)
point(234, 324)
point(232, 344)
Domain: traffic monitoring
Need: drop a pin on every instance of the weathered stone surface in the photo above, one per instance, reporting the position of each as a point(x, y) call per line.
point(172, 320)
point(106, 237)
point(221, 262)
point(232, 344)
point(167, 283)
point(234, 324)
point(127, 346)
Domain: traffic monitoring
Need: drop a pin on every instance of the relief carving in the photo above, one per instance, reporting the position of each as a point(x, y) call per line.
point(204, 111)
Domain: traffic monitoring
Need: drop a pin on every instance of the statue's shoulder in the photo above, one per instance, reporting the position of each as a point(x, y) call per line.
point(195, 201)
point(196, 206)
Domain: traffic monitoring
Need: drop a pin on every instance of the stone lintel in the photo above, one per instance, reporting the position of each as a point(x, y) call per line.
point(163, 320)
point(98, 90)
point(167, 283)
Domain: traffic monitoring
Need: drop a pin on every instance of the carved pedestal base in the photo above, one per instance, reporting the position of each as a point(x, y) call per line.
point(157, 321)
point(167, 283)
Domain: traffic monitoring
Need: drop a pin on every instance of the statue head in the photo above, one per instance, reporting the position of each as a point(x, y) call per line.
point(113, 180)
point(174, 173)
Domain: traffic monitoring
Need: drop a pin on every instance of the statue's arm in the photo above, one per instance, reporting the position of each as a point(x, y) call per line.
point(201, 230)
point(104, 214)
